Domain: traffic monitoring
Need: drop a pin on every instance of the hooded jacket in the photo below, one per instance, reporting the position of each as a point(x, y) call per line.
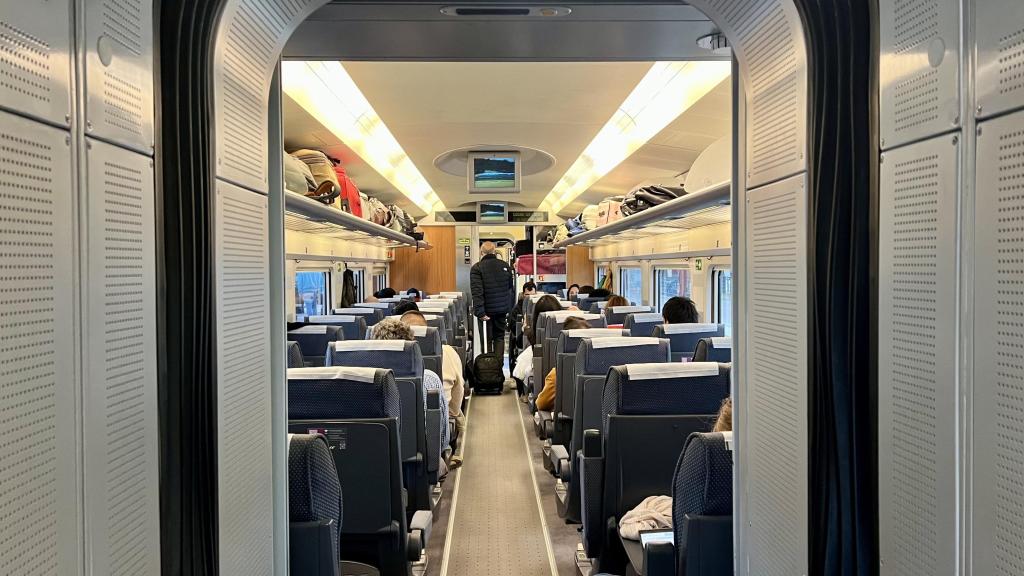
point(491, 281)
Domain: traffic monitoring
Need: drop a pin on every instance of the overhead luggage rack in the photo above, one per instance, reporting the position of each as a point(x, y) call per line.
point(305, 215)
point(701, 208)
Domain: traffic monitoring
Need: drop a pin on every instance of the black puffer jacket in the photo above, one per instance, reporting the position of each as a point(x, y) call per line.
point(491, 282)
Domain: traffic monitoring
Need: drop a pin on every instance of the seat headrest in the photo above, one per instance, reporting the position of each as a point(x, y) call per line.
point(429, 339)
point(314, 491)
point(702, 483)
point(680, 388)
point(295, 357)
point(594, 357)
point(320, 329)
point(340, 392)
point(569, 340)
point(722, 342)
point(356, 311)
point(374, 305)
point(401, 356)
point(393, 300)
point(331, 319)
point(628, 309)
point(644, 318)
point(688, 328)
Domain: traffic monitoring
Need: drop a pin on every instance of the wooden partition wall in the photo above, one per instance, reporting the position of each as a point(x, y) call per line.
point(579, 266)
point(432, 270)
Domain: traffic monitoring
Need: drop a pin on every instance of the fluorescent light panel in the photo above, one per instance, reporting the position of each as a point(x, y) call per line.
point(325, 90)
point(666, 91)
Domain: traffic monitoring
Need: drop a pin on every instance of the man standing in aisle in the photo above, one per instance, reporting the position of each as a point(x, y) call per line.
point(492, 282)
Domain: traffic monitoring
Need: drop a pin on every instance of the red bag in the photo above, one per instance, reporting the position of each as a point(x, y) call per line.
point(350, 200)
point(551, 263)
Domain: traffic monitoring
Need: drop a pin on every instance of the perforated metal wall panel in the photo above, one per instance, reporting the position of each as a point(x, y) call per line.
point(776, 380)
point(768, 38)
point(919, 69)
point(999, 35)
point(246, 52)
point(120, 391)
point(39, 512)
point(119, 72)
point(35, 71)
point(245, 471)
point(916, 362)
point(998, 463)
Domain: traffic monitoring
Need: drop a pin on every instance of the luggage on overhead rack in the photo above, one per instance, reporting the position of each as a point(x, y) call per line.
point(590, 217)
point(643, 198)
point(378, 212)
point(547, 263)
point(350, 195)
point(297, 177)
point(575, 225)
point(609, 210)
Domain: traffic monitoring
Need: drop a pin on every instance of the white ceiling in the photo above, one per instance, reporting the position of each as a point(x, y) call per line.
point(558, 107)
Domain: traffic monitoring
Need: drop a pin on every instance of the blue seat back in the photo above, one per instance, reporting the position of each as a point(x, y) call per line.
point(684, 337)
point(314, 491)
point(353, 327)
point(617, 314)
point(342, 392)
point(702, 487)
point(715, 349)
point(313, 341)
point(295, 358)
point(642, 323)
point(370, 315)
point(664, 389)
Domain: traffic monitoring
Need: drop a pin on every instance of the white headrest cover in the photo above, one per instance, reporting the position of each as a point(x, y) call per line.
point(566, 303)
point(689, 328)
point(332, 319)
point(647, 317)
point(453, 294)
point(322, 329)
point(350, 345)
point(379, 305)
point(360, 311)
point(358, 374)
point(671, 370)
point(623, 341)
point(419, 330)
point(430, 316)
point(394, 299)
point(536, 297)
point(581, 296)
point(561, 315)
point(722, 342)
point(594, 333)
point(728, 439)
point(434, 304)
point(628, 309)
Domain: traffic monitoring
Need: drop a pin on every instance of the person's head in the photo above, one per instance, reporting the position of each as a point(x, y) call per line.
point(414, 293)
point(392, 328)
point(588, 289)
point(414, 318)
point(405, 306)
point(724, 421)
point(488, 248)
point(529, 288)
point(600, 293)
point(575, 323)
point(546, 304)
point(385, 293)
point(680, 310)
point(617, 300)
point(573, 291)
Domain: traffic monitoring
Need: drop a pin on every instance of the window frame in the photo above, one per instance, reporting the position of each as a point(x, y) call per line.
point(622, 270)
point(656, 299)
point(714, 299)
point(328, 277)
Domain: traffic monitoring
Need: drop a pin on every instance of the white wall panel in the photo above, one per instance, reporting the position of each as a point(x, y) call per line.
point(120, 391)
point(999, 33)
point(919, 67)
point(119, 72)
point(35, 70)
point(775, 439)
point(39, 506)
point(998, 455)
point(245, 468)
point(917, 359)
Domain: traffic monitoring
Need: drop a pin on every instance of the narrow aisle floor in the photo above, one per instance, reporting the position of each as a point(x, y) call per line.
point(496, 528)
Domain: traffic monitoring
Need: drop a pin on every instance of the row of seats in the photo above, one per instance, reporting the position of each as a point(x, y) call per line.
point(367, 400)
point(617, 388)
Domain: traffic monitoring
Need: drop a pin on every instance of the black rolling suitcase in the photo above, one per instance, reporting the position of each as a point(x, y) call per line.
point(488, 368)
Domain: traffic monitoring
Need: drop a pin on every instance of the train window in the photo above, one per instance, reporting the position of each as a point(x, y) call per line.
point(669, 282)
point(312, 292)
point(380, 281)
point(602, 271)
point(359, 277)
point(721, 294)
point(631, 284)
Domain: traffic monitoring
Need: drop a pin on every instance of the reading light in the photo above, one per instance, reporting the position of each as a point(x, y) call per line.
point(325, 90)
point(666, 91)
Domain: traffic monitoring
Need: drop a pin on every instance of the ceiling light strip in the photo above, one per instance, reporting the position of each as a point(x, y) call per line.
point(328, 93)
point(662, 95)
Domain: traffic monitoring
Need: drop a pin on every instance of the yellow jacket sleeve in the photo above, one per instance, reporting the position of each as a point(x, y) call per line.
point(546, 398)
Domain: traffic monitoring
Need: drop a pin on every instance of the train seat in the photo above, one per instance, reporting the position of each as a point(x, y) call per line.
point(642, 323)
point(313, 341)
point(314, 506)
point(714, 349)
point(354, 327)
point(370, 315)
point(617, 314)
point(684, 337)
point(295, 357)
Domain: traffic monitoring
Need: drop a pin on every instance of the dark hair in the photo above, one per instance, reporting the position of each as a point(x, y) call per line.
point(574, 323)
point(385, 293)
point(586, 289)
point(617, 300)
point(546, 304)
point(404, 306)
point(531, 285)
point(571, 286)
point(600, 293)
point(680, 310)
point(413, 291)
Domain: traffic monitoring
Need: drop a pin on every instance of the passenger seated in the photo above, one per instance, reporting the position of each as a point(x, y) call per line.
point(451, 372)
point(395, 329)
point(405, 306)
point(546, 399)
point(680, 310)
point(723, 423)
point(616, 300)
point(524, 363)
point(570, 294)
point(385, 293)
point(414, 293)
point(599, 293)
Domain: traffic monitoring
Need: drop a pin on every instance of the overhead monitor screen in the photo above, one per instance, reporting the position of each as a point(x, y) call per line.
point(491, 213)
point(491, 172)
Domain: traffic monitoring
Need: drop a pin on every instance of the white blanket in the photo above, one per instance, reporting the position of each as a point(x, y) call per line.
point(654, 513)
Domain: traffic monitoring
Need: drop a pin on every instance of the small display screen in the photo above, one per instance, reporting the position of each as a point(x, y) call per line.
point(492, 213)
point(494, 173)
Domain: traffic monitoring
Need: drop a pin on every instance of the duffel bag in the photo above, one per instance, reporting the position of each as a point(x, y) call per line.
point(657, 195)
point(297, 177)
point(321, 167)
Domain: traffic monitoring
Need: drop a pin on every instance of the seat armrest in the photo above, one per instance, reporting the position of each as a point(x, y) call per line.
point(560, 461)
point(659, 559)
point(422, 521)
point(708, 545)
point(311, 548)
point(591, 443)
point(591, 477)
point(433, 399)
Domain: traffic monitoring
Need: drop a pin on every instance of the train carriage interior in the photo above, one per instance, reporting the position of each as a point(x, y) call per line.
point(595, 288)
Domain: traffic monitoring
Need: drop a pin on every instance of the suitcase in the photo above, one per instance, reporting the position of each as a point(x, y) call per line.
point(488, 368)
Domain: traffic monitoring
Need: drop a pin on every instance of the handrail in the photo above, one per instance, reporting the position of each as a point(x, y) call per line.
point(312, 210)
point(710, 197)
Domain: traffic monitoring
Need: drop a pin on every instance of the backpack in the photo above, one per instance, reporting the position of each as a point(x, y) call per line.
point(319, 165)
